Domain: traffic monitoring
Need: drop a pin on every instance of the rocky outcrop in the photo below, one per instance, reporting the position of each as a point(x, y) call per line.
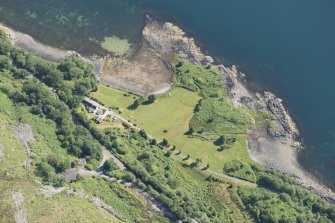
point(283, 123)
point(167, 39)
point(274, 148)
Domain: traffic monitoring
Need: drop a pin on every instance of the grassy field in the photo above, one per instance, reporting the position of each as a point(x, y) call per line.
point(169, 118)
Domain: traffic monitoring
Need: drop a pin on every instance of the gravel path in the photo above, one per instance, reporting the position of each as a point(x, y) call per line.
point(155, 205)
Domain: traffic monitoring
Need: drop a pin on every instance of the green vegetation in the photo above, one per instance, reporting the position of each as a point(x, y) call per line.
point(70, 208)
point(182, 119)
point(110, 168)
point(16, 177)
point(44, 95)
point(122, 198)
point(285, 202)
point(169, 117)
point(117, 46)
point(240, 170)
point(183, 190)
point(215, 113)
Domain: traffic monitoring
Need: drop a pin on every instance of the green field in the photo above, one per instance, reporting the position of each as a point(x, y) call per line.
point(169, 118)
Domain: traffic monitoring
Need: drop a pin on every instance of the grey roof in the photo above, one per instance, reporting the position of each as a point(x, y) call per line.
point(91, 103)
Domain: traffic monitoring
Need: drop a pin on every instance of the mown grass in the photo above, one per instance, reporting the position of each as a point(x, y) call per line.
point(169, 117)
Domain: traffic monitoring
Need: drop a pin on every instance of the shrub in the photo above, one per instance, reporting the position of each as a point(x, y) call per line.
point(240, 169)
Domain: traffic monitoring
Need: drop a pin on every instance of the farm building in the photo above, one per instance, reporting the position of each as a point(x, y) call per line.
point(91, 105)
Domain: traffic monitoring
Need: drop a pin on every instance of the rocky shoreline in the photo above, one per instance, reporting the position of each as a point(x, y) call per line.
point(47, 52)
point(275, 147)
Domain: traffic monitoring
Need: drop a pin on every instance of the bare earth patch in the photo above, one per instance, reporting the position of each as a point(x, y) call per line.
point(144, 74)
point(20, 215)
point(24, 134)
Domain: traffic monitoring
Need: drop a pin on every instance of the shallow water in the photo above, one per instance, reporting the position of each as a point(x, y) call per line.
point(284, 46)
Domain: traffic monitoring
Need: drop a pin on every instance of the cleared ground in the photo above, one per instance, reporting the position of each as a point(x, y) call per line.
point(169, 118)
point(145, 73)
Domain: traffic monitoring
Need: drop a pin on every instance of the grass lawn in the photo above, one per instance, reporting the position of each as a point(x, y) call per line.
point(169, 117)
point(112, 97)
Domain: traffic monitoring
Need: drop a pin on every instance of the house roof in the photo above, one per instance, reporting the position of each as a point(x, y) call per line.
point(91, 103)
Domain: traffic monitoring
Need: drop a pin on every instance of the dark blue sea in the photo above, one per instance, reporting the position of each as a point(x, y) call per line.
point(287, 47)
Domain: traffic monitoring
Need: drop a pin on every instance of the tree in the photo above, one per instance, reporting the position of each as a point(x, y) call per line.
point(221, 148)
point(46, 171)
point(58, 162)
point(220, 141)
point(168, 153)
point(165, 142)
point(198, 162)
point(151, 98)
point(135, 104)
point(190, 131)
point(5, 62)
point(109, 166)
point(143, 134)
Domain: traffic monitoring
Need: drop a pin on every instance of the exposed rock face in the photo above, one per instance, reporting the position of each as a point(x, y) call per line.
point(284, 125)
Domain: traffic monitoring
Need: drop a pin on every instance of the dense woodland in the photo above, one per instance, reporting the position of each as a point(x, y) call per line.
point(55, 91)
